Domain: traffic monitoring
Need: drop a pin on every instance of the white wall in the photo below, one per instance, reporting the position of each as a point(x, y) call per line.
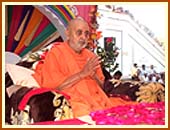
point(135, 45)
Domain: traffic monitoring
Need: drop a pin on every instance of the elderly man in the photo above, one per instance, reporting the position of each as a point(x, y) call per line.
point(73, 69)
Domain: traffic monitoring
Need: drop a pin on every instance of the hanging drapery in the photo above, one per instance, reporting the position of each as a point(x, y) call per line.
point(9, 15)
point(43, 35)
point(41, 27)
point(47, 41)
point(14, 25)
point(30, 30)
point(33, 27)
point(83, 11)
point(6, 21)
point(23, 22)
point(21, 27)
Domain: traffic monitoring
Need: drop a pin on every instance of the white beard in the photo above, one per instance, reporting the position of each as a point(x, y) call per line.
point(82, 46)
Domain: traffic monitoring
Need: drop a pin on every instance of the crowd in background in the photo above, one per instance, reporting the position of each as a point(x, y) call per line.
point(147, 75)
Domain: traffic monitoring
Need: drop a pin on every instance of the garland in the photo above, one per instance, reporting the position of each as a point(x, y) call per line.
point(138, 114)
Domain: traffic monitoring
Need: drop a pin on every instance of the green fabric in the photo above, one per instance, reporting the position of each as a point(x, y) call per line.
point(10, 7)
point(60, 13)
point(43, 35)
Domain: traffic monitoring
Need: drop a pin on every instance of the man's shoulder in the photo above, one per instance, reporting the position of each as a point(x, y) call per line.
point(58, 45)
point(57, 48)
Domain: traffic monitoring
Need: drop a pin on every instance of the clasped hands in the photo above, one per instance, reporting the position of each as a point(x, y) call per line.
point(90, 67)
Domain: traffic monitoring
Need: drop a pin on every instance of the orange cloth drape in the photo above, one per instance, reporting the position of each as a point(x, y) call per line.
point(62, 62)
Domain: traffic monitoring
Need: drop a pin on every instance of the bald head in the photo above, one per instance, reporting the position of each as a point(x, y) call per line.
point(75, 22)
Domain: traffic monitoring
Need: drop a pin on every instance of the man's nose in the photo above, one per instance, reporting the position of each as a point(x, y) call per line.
point(84, 36)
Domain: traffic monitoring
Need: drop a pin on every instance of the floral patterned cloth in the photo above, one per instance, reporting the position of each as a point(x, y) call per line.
point(33, 105)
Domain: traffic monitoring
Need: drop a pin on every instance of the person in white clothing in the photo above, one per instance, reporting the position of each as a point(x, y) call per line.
point(134, 72)
point(144, 73)
point(152, 73)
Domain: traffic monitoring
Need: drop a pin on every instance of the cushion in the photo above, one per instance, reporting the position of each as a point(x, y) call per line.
point(21, 75)
point(11, 58)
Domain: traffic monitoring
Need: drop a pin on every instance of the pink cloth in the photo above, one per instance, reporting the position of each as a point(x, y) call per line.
point(83, 11)
point(139, 114)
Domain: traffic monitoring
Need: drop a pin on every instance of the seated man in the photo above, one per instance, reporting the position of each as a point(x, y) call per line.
point(117, 75)
point(75, 70)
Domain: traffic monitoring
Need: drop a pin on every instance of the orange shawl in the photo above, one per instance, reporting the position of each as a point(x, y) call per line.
point(86, 95)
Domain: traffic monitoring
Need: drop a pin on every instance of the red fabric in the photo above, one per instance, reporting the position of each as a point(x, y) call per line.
point(124, 97)
point(31, 28)
point(36, 91)
point(14, 25)
point(22, 49)
point(41, 27)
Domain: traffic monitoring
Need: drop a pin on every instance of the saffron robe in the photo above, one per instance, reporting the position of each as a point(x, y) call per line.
point(86, 95)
